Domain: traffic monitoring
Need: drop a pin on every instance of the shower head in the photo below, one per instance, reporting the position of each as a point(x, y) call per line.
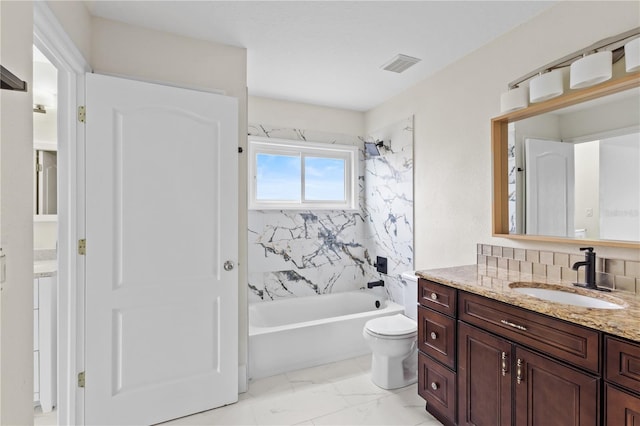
point(371, 148)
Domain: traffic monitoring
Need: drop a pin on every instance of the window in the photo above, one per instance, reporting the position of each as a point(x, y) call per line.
point(301, 175)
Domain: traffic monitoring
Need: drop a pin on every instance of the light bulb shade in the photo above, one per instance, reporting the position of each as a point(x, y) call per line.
point(546, 86)
point(514, 99)
point(590, 70)
point(632, 55)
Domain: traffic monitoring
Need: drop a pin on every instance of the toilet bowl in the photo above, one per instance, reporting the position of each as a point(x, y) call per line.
point(392, 339)
point(393, 342)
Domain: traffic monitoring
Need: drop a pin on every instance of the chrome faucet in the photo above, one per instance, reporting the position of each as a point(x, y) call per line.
point(589, 270)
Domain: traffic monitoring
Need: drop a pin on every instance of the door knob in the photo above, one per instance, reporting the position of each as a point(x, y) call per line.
point(228, 265)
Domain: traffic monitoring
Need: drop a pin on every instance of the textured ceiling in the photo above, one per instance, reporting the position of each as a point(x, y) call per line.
point(330, 52)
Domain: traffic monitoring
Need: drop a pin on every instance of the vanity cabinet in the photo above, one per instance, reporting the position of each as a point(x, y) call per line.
point(437, 349)
point(511, 367)
point(501, 383)
point(485, 362)
point(622, 382)
point(44, 342)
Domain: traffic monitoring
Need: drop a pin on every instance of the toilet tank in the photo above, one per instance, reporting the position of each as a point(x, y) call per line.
point(410, 294)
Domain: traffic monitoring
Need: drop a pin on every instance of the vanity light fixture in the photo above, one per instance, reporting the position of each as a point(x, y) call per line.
point(514, 99)
point(591, 69)
point(43, 100)
point(588, 66)
point(546, 86)
point(632, 55)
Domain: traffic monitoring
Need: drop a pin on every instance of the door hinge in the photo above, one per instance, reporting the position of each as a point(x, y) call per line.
point(38, 168)
point(81, 379)
point(82, 114)
point(82, 247)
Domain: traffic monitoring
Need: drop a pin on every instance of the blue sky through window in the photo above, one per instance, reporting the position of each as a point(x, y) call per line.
point(278, 177)
point(324, 179)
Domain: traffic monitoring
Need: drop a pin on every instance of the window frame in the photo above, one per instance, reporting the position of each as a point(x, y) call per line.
point(285, 147)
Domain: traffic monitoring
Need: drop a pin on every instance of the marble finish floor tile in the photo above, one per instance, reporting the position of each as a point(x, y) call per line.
point(340, 393)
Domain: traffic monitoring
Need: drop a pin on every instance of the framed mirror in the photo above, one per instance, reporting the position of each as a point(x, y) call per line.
point(45, 181)
point(568, 170)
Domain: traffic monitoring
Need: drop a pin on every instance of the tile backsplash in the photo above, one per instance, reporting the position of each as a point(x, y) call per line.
point(623, 275)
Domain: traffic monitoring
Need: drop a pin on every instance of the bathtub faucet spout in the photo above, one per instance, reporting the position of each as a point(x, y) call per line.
point(373, 284)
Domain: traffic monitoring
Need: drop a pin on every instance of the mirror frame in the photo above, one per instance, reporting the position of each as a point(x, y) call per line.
point(499, 153)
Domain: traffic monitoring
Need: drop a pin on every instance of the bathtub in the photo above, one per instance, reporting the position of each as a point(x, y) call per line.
point(301, 332)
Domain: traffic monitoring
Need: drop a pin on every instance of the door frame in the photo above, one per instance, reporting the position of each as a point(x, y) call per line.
point(52, 40)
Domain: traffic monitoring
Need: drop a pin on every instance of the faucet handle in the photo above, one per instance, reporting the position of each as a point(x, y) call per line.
point(589, 249)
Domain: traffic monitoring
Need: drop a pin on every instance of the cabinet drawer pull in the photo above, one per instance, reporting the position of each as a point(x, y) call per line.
point(434, 296)
point(519, 371)
point(434, 336)
point(434, 386)
point(510, 324)
point(504, 364)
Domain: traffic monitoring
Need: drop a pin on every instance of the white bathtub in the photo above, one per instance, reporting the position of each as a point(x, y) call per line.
point(301, 332)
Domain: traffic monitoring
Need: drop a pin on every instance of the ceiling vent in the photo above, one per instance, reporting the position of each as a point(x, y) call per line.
point(399, 63)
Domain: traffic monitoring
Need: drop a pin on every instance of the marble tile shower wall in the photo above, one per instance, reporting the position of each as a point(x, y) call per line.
point(388, 203)
point(623, 275)
point(300, 253)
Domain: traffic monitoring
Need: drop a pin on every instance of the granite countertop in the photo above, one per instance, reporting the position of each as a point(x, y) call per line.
point(495, 283)
point(45, 268)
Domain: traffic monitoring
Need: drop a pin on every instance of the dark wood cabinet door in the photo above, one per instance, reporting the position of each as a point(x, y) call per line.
point(437, 385)
point(622, 363)
point(438, 297)
point(484, 378)
point(437, 336)
point(548, 393)
point(621, 408)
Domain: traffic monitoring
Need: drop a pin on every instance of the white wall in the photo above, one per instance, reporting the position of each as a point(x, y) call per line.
point(294, 115)
point(16, 218)
point(453, 109)
point(620, 187)
point(76, 21)
point(587, 168)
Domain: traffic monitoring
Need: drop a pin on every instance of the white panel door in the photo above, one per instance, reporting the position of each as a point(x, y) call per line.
point(549, 181)
point(161, 221)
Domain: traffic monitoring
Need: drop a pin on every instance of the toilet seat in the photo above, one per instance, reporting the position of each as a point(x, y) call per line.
point(392, 327)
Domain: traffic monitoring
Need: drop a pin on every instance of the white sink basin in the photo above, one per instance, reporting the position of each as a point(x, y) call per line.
point(567, 298)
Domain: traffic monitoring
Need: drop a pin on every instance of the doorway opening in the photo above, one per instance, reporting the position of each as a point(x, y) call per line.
point(45, 231)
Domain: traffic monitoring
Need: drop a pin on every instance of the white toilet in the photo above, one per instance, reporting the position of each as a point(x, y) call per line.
point(392, 340)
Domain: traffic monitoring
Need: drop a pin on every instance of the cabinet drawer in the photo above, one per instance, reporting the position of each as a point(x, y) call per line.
point(622, 364)
point(437, 385)
point(437, 297)
point(621, 408)
point(437, 336)
point(569, 342)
